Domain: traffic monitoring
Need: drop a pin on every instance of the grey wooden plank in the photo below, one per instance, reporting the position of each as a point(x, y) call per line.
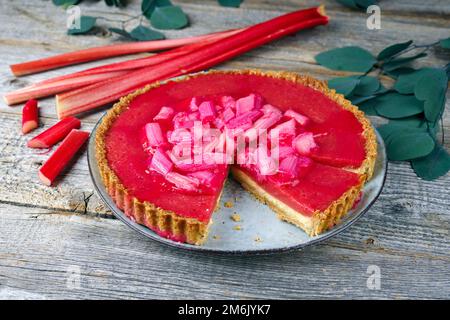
point(38, 249)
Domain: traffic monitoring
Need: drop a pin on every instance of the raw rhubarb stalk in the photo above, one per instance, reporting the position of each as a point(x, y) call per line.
point(54, 134)
point(304, 143)
point(154, 134)
point(30, 116)
point(96, 95)
point(103, 52)
point(43, 89)
point(301, 119)
point(207, 111)
point(62, 156)
point(93, 75)
point(165, 113)
point(161, 162)
point(248, 103)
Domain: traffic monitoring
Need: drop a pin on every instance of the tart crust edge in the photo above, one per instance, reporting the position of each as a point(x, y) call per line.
point(194, 231)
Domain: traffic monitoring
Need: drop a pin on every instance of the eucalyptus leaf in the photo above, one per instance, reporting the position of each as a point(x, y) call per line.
point(121, 32)
point(394, 105)
point(65, 3)
point(359, 100)
point(348, 3)
point(344, 85)
point(231, 3)
point(406, 82)
point(367, 85)
point(407, 145)
point(434, 165)
point(364, 4)
point(347, 58)
point(431, 88)
point(142, 33)
point(393, 50)
point(367, 106)
point(395, 73)
point(445, 43)
point(400, 62)
point(148, 6)
point(169, 17)
point(86, 24)
point(414, 122)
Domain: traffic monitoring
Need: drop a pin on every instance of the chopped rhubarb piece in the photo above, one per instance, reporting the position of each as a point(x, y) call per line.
point(304, 143)
point(246, 104)
point(161, 162)
point(301, 119)
point(268, 108)
point(183, 182)
point(285, 151)
point(179, 136)
point(286, 128)
point(267, 120)
point(205, 177)
point(184, 120)
point(164, 114)
point(30, 116)
point(62, 156)
point(193, 105)
point(54, 134)
point(243, 120)
point(154, 134)
point(228, 114)
point(207, 111)
point(265, 163)
point(228, 102)
point(289, 166)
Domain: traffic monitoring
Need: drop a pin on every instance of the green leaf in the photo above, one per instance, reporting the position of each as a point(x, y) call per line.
point(171, 17)
point(86, 24)
point(414, 122)
point(359, 100)
point(148, 6)
point(400, 62)
point(344, 85)
point(393, 50)
point(142, 33)
point(398, 72)
point(407, 145)
point(65, 3)
point(364, 4)
point(393, 105)
point(121, 32)
point(367, 106)
point(434, 165)
point(231, 3)
point(348, 59)
point(367, 86)
point(348, 3)
point(406, 82)
point(445, 43)
point(431, 88)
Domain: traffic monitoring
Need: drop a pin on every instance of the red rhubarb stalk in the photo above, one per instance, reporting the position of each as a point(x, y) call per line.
point(62, 156)
point(94, 75)
point(30, 116)
point(103, 52)
point(44, 89)
point(93, 96)
point(54, 134)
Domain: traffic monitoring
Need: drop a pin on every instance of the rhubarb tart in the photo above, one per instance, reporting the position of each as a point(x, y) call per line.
point(165, 151)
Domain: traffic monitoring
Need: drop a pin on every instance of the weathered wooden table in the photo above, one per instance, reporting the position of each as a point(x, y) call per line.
point(62, 242)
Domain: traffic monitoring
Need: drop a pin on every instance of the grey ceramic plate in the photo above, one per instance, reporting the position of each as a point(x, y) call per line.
point(261, 232)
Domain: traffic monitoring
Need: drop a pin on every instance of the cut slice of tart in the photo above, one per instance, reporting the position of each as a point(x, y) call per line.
point(318, 150)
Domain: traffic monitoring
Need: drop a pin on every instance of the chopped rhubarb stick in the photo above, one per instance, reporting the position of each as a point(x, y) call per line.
point(41, 90)
point(183, 182)
point(154, 134)
point(248, 103)
point(228, 102)
point(301, 119)
point(161, 162)
point(289, 166)
point(30, 116)
point(164, 114)
point(62, 156)
point(243, 120)
point(207, 111)
point(54, 134)
point(228, 114)
point(203, 176)
point(103, 52)
point(304, 143)
point(267, 120)
point(286, 128)
point(268, 108)
point(93, 96)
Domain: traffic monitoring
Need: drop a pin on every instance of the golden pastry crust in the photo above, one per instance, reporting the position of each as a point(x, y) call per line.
point(195, 232)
